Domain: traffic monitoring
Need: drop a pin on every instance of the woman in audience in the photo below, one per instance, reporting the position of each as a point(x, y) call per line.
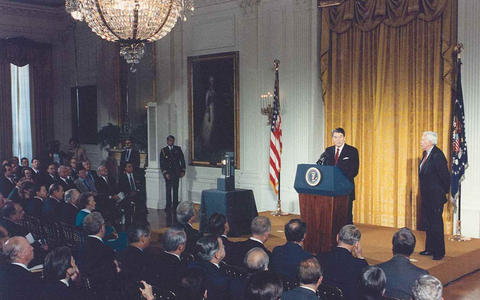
point(27, 174)
point(87, 205)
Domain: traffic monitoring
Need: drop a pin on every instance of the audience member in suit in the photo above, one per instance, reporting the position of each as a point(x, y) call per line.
point(256, 260)
point(71, 207)
point(136, 265)
point(6, 180)
point(343, 265)
point(310, 278)
point(63, 179)
point(130, 155)
point(91, 174)
point(260, 228)
point(83, 183)
point(16, 168)
point(427, 287)
point(264, 285)
point(50, 177)
point(345, 157)
point(186, 215)
point(106, 194)
point(218, 225)
point(59, 272)
point(87, 204)
point(400, 272)
point(172, 164)
point(52, 207)
point(22, 192)
point(35, 203)
point(24, 163)
point(372, 284)
point(12, 215)
point(434, 183)
point(37, 173)
point(130, 184)
point(17, 281)
point(96, 260)
point(286, 258)
point(73, 168)
point(192, 285)
point(169, 263)
point(211, 252)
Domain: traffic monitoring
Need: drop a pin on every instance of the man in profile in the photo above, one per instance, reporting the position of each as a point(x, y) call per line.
point(345, 157)
point(172, 164)
point(434, 182)
point(310, 277)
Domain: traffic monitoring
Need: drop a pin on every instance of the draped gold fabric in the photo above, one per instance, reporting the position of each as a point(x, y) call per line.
point(386, 70)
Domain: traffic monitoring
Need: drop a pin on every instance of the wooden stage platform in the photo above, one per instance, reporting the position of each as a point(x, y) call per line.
point(461, 257)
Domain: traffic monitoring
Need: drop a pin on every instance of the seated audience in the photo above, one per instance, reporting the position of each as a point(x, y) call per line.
point(400, 272)
point(264, 285)
point(186, 216)
point(12, 215)
point(310, 278)
point(286, 258)
point(260, 228)
point(169, 263)
point(17, 282)
point(343, 265)
point(106, 194)
point(71, 208)
point(27, 174)
point(427, 287)
point(63, 180)
point(22, 192)
point(86, 203)
point(59, 272)
point(96, 260)
point(210, 252)
point(50, 177)
point(218, 225)
point(372, 284)
point(256, 260)
point(91, 174)
point(83, 183)
point(7, 184)
point(52, 207)
point(73, 168)
point(37, 174)
point(35, 203)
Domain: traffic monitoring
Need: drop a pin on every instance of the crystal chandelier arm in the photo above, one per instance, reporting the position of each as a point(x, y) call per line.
point(100, 13)
point(165, 19)
point(135, 20)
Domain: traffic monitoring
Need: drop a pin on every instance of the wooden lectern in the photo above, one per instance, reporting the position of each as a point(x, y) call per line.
point(323, 196)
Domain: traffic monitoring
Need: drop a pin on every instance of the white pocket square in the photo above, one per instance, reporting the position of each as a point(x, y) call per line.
point(346, 158)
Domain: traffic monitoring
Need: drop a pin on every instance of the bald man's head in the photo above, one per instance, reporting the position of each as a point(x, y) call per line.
point(18, 250)
point(256, 259)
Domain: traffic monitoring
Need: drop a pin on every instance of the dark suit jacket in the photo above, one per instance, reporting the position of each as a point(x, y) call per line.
point(18, 283)
point(52, 209)
point(192, 236)
point(240, 249)
point(172, 162)
point(342, 270)
point(401, 275)
point(34, 207)
point(218, 284)
point(6, 186)
point(134, 158)
point(56, 290)
point(104, 188)
point(434, 179)
point(47, 180)
point(229, 245)
point(13, 228)
point(69, 214)
point(348, 162)
point(299, 293)
point(167, 271)
point(287, 258)
point(66, 185)
point(135, 263)
point(124, 183)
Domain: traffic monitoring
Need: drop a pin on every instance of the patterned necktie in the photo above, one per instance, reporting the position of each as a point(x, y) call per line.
point(337, 154)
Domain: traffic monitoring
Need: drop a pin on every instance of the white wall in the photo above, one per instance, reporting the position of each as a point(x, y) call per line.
point(468, 29)
point(283, 29)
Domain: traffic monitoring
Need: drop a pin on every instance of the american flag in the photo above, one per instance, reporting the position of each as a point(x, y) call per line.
point(275, 140)
point(459, 143)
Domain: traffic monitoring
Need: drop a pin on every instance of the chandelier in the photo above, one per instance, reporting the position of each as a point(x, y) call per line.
point(132, 23)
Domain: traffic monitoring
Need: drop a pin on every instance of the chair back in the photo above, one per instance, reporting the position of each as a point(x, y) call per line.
point(328, 292)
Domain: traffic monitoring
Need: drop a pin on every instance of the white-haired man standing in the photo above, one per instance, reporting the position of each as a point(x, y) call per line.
point(434, 181)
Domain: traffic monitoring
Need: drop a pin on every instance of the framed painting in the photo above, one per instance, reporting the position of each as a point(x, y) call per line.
point(213, 108)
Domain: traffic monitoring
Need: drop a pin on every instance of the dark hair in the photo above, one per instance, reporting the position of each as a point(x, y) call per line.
point(57, 262)
point(8, 209)
point(83, 199)
point(295, 230)
point(26, 186)
point(206, 247)
point(23, 158)
point(80, 168)
point(216, 224)
point(37, 188)
point(309, 271)
point(264, 285)
point(25, 169)
point(54, 187)
point(4, 168)
point(403, 242)
point(126, 164)
point(372, 283)
point(35, 158)
point(136, 231)
point(170, 137)
point(192, 285)
point(338, 130)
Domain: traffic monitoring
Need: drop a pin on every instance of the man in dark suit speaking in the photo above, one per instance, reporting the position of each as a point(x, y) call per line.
point(434, 181)
point(345, 157)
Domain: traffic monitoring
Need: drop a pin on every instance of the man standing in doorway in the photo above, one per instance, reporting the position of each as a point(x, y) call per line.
point(434, 185)
point(345, 157)
point(172, 164)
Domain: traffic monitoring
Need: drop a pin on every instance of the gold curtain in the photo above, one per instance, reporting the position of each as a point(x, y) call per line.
point(387, 70)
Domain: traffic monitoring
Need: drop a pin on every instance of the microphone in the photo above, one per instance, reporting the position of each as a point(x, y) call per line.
point(323, 159)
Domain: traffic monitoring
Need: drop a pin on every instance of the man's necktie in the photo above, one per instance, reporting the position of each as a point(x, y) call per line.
point(132, 182)
point(128, 155)
point(337, 154)
point(85, 181)
point(423, 160)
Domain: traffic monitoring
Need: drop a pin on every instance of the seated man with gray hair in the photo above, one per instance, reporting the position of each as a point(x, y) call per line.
point(310, 276)
point(343, 265)
point(260, 228)
point(210, 252)
point(427, 287)
point(70, 209)
point(256, 260)
point(186, 216)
